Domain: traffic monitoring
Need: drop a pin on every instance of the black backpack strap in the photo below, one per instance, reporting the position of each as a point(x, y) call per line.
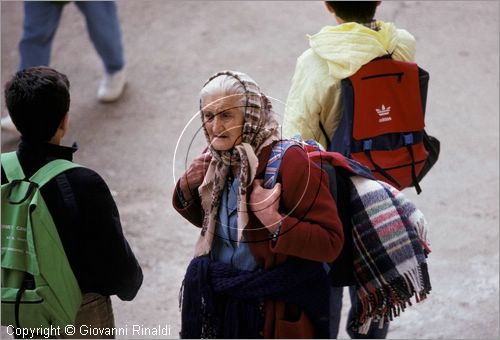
point(432, 145)
point(367, 147)
point(68, 197)
point(28, 283)
point(323, 130)
point(408, 143)
point(17, 305)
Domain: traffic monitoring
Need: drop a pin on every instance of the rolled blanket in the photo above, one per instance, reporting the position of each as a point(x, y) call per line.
point(220, 301)
point(390, 250)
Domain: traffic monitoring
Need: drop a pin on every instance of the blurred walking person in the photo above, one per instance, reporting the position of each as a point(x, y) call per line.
point(41, 20)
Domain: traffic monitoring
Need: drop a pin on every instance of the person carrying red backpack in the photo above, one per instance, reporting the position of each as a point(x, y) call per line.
point(314, 104)
point(336, 53)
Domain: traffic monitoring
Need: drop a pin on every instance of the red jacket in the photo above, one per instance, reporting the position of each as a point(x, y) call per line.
point(312, 230)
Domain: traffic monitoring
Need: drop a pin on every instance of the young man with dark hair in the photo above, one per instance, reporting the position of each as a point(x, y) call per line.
point(313, 107)
point(38, 101)
point(360, 11)
point(78, 200)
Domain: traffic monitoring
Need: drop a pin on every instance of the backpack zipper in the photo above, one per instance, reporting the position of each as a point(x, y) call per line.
point(397, 74)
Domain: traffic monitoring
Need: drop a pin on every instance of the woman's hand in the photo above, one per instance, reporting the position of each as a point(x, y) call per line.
point(194, 175)
point(265, 203)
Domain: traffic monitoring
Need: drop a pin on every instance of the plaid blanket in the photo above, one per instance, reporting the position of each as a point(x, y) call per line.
point(390, 250)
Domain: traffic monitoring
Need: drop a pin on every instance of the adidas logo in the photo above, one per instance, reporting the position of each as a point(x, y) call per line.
point(383, 112)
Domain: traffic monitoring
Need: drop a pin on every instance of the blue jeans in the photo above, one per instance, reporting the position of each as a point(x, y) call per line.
point(41, 19)
point(336, 294)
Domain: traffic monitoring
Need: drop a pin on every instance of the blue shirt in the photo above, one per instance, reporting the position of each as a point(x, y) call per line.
point(225, 246)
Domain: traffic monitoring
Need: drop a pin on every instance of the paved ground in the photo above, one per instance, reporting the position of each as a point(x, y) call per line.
point(172, 48)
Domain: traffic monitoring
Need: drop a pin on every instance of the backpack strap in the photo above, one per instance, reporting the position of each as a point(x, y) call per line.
point(69, 198)
point(328, 138)
point(51, 170)
point(28, 283)
point(12, 167)
point(14, 171)
point(367, 148)
point(274, 162)
point(408, 138)
point(39, 179)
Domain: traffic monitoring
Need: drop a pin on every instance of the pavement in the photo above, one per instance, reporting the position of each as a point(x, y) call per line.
point(141, 143)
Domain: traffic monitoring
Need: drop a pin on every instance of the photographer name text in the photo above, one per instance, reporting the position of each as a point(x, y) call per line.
point(88, 330)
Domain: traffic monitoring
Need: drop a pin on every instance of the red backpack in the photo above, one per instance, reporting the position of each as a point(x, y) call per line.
point(382, 124)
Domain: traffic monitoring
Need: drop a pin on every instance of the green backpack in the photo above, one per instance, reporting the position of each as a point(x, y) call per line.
point(39, 288)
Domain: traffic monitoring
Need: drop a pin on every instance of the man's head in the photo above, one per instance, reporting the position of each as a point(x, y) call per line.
point(353, 11)
point(38, 100)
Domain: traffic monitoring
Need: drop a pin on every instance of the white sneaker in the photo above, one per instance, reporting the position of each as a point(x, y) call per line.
point(112, 86)
point(8, 124)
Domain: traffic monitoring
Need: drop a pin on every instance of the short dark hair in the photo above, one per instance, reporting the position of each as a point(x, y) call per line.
point(357, 11)
point(37, 99)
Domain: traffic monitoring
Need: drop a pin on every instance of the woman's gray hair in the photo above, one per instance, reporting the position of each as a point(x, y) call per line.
point(224, 84)
point(259, 118)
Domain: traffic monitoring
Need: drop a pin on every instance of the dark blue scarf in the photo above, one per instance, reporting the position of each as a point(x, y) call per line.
point(220, 301)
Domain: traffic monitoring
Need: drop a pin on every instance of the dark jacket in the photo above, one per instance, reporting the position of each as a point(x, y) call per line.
point(89, 225)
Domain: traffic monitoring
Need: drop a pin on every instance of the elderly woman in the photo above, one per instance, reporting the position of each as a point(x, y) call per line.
point(257, 270)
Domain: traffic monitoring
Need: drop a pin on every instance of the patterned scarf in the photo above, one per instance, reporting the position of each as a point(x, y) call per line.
point(390, 250)
point(259, 130)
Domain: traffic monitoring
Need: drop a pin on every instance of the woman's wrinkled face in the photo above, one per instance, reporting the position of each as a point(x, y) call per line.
point(223, 117)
